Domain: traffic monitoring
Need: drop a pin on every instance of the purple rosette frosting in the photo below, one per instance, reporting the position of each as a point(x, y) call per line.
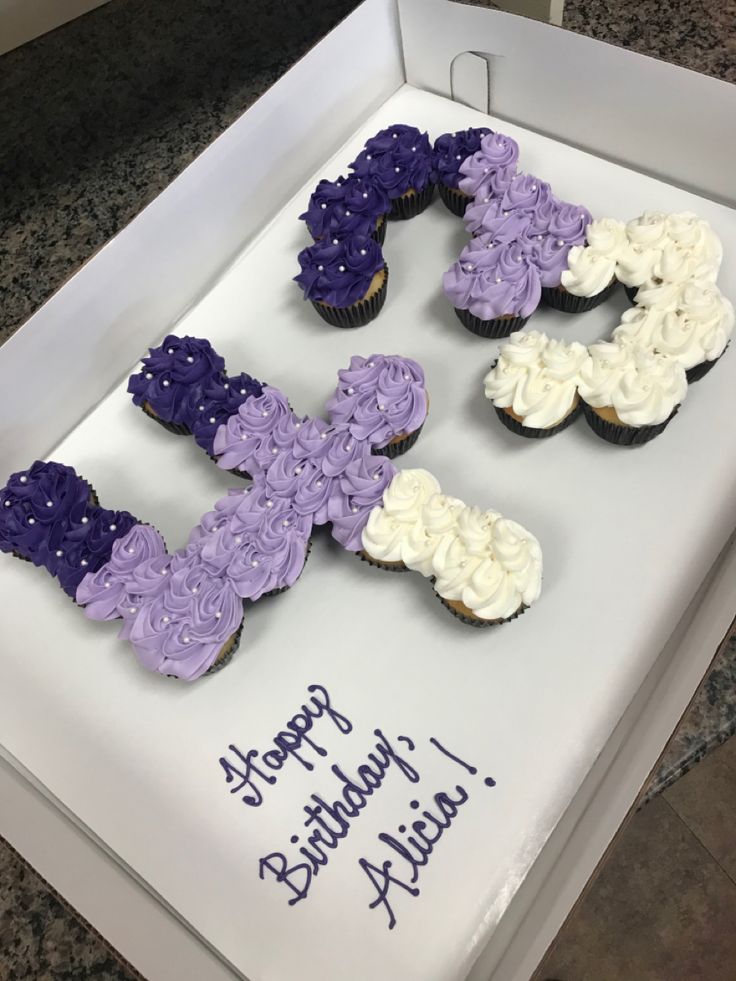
point(497, 154)
point(398, 160)
point(341, 274)
point(568, 223)
point(46, 516)
point(503, 282)
point(348, 206)
point(215, 402)
point(451, 150)
point(526, 193)
point(110, 592)
point(483, 218)
point(362, 485)
point(169, 374)
point(263, 424)
point(379, 398)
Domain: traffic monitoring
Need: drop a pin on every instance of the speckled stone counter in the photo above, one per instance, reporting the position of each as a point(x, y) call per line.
point(98, 117)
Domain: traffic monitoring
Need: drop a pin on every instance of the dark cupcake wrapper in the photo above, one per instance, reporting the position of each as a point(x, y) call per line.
point(365, 557)
point(699, 371)
point(477, 621)
point(394, 449)
point(178, 428)
point(282, 589)
point(235, 472)
point(521, 430)
point(410, 205)
point(357, 315)
point(631, 292)
point(454, 199)
point(499, 327)
point(624, 435)
point(560, 299)
point(225, 659)
point(379, 234)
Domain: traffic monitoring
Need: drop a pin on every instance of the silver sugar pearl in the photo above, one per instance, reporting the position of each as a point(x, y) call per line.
point(59, 553)
point(190, 359)
point(323, 206)
point(165, 383)
point(212, 419)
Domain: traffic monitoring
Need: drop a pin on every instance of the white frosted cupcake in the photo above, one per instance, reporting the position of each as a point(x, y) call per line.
point(590, 277)
point(630, 392)
point(693, 327)
point(534, 383)
point(490, 572)
point(398, 521)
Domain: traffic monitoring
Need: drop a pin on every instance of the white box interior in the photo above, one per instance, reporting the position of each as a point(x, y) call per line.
point(628, 537)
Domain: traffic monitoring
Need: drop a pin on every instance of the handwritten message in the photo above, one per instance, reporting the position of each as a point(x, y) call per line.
point(394, 867)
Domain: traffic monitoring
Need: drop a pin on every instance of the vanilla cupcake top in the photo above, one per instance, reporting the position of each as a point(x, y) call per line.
point(537, 377)
point(588, 271)
point(695, 326)
point(642, 386)
point(668, 248)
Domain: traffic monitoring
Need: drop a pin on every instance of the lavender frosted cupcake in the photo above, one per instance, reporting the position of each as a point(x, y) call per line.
point(494, 288)
point(345, 281)
point(449, 152)
point(399, 161)
point(488, 172)
point(169, 374)
point(382, 399)
point(347, 206)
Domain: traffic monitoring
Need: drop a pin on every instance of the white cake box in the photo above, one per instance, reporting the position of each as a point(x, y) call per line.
point(111, 784)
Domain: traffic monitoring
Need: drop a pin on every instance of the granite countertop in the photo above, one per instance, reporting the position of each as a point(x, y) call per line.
point(101, 114)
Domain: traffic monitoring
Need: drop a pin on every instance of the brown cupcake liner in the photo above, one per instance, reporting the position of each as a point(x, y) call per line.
point(559, 299)
point(624, 435)
point(177, 428)
point(379, 234)
point(379, 564)
point(477, 621)
point(454, 199)
point(397, 447)
point(499, 327)
point(357, 315)
point(410, 205)
point(530, 432)
point(235, 472)
point(699, 371)
point(631, 292)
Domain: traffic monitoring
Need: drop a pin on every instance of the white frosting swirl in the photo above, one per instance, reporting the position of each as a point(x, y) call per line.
point(669, 249)
point(642, 386)
point(696, 328)
point(607, 237)
point(588, 271)
point(491, 564)
point(536, 377)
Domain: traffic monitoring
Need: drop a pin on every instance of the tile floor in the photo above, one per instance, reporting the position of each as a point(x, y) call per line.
point(663, 907)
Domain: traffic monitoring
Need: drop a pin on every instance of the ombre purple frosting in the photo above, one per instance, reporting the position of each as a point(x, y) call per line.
point(47, 515)
point(398, 159)
point(339, 273)
point(490, 168)
point(379, 397)
point(451, 150)
point(493, 282)
point(348, 206)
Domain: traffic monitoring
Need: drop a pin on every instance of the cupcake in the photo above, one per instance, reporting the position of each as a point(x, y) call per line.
point(693, 328)
point(382, 399)
point(489, 218)
point(347, 206)
point(170, 373)
point(49, 515)
point(210, 406)
point(395, 532)
point(448, 154)
point(551, 246)
point(534, 384)
point(629, 392)
point(493, 288)
point(592, 269)
point(345, 281)
point(490, 571)
point(399, 161)
point(487, 173)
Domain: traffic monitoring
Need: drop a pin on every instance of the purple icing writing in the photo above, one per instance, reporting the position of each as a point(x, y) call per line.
point(414, 845)
point(329, 823)
point(287, 744)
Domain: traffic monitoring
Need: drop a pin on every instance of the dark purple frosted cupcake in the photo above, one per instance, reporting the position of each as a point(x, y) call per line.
point(49, 516)
point(449, 152)
point(382, 399)
point(348, 206)
point(494, 287)
point(399, 161)
point(345, 281)
point(170, 372)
